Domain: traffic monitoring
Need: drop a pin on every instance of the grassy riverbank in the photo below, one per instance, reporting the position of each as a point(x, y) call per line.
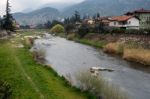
point(97, 44)
point(131, 47)
point(129, 52)
point(29, 80)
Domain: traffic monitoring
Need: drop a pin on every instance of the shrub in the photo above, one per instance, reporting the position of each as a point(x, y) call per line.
point(5, 90)
point(118, 30)
point(98, 86)
point(39, 55)
point(83, 30)
point(28, 42)
point(57, 29)
point(71, 36)
point(114, 48)
point(70, 28)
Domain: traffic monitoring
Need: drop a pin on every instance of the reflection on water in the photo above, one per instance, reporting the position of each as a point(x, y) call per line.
point(68, 58)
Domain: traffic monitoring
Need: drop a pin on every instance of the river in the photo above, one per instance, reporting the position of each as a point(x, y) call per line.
point(68, 58)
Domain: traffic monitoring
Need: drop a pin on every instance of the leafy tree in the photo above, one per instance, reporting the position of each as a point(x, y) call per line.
point(83, 30)
point(8, 19)
point(57, 29)
point(100, 27)
point(69, 28)
point(70, 22)
point(55, 22)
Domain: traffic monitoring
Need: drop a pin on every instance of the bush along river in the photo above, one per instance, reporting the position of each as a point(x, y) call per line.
point(69, 58)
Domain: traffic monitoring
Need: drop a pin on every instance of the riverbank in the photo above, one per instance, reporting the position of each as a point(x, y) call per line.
point(121, 44)
point(28, 79)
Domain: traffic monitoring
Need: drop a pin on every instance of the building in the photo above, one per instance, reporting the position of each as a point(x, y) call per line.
point(144, 16)
point(89, 21)
point(124, 21)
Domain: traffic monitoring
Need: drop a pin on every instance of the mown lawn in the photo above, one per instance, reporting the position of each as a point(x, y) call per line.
point(30, 80)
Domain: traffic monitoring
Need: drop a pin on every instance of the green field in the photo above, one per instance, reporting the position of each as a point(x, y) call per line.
point(29, 80)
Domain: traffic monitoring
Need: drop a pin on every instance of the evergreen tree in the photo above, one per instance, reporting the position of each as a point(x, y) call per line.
point(67, 21)
point(73, 20)
point(98, 15)
point(77, 16)
point(8, 19)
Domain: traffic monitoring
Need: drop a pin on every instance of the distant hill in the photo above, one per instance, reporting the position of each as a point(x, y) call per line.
point(39, 16)
point(107, 7)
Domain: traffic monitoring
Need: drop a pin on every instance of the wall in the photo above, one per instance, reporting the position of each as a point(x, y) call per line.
point(133, 23)
point(144, 20)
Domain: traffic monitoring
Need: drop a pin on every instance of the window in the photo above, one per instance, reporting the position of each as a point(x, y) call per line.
point(129, 22)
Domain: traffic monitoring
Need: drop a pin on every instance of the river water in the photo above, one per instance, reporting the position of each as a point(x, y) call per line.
point(68, 58)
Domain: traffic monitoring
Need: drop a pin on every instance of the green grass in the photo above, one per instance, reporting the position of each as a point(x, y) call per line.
point(30, 32)
point(97, 44)
point(30, 80)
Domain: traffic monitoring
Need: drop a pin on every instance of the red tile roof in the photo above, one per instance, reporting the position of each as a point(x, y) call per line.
point(120, 18)
point(142, 11)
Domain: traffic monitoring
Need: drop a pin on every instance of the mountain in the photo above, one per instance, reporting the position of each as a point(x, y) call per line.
point(107, 7)
point(59, 6)
point(27, 10)
point(39, 16)
point(87, 7)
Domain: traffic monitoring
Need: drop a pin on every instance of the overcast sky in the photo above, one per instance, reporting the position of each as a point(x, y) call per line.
point(20, 5)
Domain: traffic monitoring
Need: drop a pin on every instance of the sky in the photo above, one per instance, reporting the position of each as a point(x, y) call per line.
point(20, 5)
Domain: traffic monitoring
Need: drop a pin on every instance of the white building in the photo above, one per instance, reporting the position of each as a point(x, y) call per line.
point(126, 22)
point(89, 21)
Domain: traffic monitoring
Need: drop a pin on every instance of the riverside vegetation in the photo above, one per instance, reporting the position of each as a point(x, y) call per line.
point(131, 47)
point(130, 50)
point(99, 87)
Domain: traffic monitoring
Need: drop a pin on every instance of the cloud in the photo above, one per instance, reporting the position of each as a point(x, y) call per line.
point(19, 5)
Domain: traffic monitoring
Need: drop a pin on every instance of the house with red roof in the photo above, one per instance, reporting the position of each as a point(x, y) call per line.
point(143, 15)
point(124, 21)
